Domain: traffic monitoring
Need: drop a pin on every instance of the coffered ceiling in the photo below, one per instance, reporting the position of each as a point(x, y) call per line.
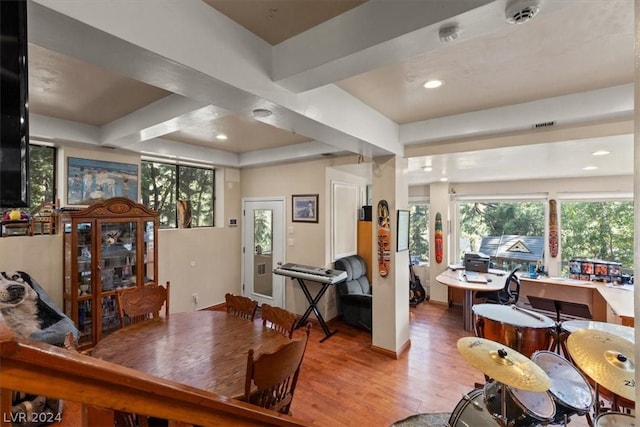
point(168, 77)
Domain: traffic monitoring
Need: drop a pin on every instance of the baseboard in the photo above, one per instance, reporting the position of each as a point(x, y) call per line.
point(392, 354)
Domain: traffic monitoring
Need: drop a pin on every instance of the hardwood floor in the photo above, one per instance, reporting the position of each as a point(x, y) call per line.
point(344, 383)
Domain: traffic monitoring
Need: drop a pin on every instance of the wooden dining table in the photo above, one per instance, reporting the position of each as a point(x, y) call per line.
point(204, 349)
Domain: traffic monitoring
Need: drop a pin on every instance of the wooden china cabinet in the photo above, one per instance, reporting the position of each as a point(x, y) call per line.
point(108, 246)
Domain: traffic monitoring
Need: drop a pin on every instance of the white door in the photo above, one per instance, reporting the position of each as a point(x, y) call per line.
point(263, 249)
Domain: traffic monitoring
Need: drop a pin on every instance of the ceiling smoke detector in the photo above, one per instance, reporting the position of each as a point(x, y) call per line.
point(521, 11)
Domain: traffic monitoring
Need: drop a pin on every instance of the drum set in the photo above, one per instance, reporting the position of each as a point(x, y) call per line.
point(528, 385)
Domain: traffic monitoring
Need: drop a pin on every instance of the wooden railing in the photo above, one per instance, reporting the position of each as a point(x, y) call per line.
point(102, 388)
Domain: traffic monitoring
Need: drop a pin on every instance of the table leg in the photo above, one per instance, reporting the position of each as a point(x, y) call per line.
point(467, 314)
point(313, 306)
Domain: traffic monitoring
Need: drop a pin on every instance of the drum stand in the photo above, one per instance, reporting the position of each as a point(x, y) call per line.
point(568, 308)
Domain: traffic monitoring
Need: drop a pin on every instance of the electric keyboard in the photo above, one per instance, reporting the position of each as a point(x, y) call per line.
point(317, 274)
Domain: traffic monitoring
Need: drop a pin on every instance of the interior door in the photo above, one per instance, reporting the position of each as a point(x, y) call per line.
point(263, 249)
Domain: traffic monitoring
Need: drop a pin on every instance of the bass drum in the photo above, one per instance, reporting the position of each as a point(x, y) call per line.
point(522, 330)
point(524, 408)
point(614, 419)
point(569, 388)
point(471, 412)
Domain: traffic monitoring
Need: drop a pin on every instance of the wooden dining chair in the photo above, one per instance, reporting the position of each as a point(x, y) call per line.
point(279, 319)
point(241, 306)
point(272, 377)
point(140, 303)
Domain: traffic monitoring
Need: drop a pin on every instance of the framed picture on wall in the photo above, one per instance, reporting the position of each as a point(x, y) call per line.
point(90, 180)
point(402, 243)
point(304, 208)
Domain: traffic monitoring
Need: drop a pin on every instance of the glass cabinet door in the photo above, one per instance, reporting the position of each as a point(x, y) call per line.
point(110, 318)
point(149, 261)
point(83, 253)
point(85, 322)
point(118, 256)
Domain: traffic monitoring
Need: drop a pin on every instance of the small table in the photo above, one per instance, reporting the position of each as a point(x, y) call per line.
point(204, 349)
point(456, 279)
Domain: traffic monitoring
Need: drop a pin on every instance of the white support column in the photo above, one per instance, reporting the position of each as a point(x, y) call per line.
point(636, 182)
point(391, 293)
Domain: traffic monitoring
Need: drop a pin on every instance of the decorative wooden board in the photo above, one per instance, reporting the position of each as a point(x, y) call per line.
point(553, 228)
point(384, 239)
point(439, 238)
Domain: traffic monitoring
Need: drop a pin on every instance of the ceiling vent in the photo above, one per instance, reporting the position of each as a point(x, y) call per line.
point(544, 125)
point(521, 11)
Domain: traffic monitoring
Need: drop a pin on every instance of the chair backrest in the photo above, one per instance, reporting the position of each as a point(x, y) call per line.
point(271, 377)
point(140, 303)
point(279, 319)
point(511, 291)
point(241, 306)
point(356, 282)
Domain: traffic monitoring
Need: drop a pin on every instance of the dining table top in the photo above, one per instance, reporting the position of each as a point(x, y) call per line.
point(204, 349)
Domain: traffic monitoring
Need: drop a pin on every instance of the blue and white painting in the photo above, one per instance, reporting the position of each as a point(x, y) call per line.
point(90, 180)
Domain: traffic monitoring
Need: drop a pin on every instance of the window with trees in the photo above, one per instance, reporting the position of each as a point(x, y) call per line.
point(600, 230)
point(42, 176)
point(419, 232)
point(163, 184)
point(480, 218)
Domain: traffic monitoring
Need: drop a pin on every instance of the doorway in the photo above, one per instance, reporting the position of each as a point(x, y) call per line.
point(263, 249)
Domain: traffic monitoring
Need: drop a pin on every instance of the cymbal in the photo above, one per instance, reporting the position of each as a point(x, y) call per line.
point(606, 358)
point(504, 364)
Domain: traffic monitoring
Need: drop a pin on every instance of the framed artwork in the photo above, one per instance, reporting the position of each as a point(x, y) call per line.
point(304, 208)
point(90, 180)
point(402, 243)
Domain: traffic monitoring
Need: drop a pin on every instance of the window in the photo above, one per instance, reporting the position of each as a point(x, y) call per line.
point(164, 184)
point(42, 176)
point(601, 230)
point(495, 227)
point(418, 232)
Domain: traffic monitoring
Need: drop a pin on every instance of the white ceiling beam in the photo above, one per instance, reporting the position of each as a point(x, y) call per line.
point(302, 151)
point(51, 129)
point(187, 152)
point(167, 115)
point(603, 104)
point(188, 48)
point(372, 35)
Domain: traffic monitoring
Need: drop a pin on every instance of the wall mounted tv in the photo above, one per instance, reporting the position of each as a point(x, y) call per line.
point(14, 114)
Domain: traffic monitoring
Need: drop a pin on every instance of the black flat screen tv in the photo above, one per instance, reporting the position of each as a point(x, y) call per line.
point(14, 114)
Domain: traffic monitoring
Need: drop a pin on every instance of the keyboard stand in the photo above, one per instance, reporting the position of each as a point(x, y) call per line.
point(313, 306)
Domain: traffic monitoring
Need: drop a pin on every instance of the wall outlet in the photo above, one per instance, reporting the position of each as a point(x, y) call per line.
point(194, 299)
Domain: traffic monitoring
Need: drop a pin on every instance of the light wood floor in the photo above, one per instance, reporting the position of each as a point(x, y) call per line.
point(344, 383)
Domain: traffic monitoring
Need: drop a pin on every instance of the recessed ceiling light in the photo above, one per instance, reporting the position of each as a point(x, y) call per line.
point(262, 112)
point(432, 84)
point(221, 137)
point(600, 153)
point(427, 168)
point(589, 168)
point(448, 32)
point(444, 179)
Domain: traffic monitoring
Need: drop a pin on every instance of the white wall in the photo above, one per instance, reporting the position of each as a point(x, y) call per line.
point(307, 243)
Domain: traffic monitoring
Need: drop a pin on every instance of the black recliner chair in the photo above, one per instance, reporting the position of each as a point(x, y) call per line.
point(354, 294)
point(507, 295)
